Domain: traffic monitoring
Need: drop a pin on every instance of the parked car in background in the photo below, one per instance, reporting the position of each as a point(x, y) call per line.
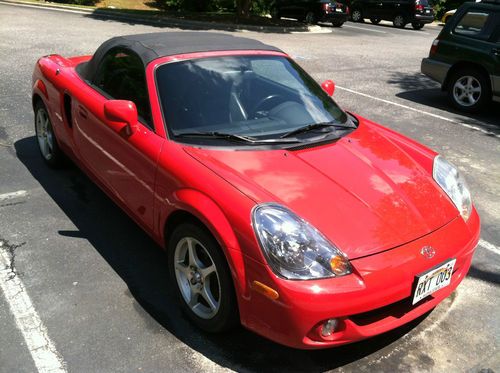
point(400, 12)
point(465, 57)
point(446, 17)
point(312, 11)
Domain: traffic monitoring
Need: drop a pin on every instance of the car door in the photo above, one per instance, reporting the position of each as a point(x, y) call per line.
point(496, 53)
point(475, 39)
point(124, 163)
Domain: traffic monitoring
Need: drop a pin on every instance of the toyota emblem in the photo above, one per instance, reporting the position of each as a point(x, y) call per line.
point(428, 252)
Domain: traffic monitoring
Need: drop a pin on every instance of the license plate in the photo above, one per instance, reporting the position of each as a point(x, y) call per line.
point(433, 280)
point(338, 10)
point(427, 11)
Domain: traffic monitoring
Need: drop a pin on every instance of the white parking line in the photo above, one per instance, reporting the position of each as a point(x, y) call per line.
point(475, 128)
point(6, 196)
point(41, 348)
point(364, 28)
point(489, 246)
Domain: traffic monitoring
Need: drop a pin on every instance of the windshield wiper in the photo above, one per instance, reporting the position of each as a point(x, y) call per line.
point(235, 137)
point(314, 126)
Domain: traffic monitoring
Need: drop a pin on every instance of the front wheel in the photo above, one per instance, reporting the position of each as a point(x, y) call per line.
point(469, 90)
point(337, 23)
point(357, 15)
point(417, 25)
point(399, 21)
point(201, 277)
point(46, 137)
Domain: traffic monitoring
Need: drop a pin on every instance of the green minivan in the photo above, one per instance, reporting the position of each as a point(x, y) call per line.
point(465, 57)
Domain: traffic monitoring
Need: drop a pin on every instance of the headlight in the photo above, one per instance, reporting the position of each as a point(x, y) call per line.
point(295, 249)
point(448, 178)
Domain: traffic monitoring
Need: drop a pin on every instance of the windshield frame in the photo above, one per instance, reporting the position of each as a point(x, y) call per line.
point(156, 64)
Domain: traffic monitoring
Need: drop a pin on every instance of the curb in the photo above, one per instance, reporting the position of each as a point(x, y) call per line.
point(165, 21)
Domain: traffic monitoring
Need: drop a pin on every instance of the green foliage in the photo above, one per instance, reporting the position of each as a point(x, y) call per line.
point(442, 6)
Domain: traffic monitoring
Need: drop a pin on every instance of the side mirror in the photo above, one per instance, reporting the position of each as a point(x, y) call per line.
point(121, 115)
point(328, 86)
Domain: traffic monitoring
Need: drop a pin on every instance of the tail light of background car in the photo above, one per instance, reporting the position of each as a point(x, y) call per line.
point(434, 47)
point(419, 7)
point(326, 7)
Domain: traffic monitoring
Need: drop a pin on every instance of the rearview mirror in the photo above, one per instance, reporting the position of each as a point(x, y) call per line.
point(122, 116)
point(328, 86)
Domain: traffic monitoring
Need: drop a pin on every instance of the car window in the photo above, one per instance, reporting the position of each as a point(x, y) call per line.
point(474, 23)
point(121, 75)
point(273, 70)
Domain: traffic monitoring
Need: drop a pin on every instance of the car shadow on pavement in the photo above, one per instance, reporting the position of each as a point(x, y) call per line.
point(422, 90)
point(142, 266)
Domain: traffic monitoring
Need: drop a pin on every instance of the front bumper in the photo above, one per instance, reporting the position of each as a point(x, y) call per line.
point(374, 299)
point(434, 69)
point(335, 16)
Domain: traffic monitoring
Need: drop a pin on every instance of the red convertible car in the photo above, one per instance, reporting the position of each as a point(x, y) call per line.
point(309, 225)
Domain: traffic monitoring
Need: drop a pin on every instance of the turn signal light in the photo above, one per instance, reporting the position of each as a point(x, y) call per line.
point(265, 290)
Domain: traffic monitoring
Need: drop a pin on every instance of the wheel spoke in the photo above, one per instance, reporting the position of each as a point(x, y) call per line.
point(471, 99)
point(182, 268)
point(207, 295)
point(459, 86)
point(469, 82)
point(476, 89)
point(192, 257)
point(193, 300)
point(205, 272)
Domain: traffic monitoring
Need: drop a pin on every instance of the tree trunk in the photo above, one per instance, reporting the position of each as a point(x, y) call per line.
point(243, 8)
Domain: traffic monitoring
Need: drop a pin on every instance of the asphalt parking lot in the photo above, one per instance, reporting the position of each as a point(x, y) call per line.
point(97, 284)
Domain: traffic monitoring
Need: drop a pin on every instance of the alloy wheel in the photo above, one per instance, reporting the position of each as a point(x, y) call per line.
point(399, 21)
point(467, 91)
point(44, 134)
point(356, 15)
point(197, 278)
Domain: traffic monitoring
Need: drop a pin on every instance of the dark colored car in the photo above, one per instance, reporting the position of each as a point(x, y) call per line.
point(400, 12)
point(465, 57)
point(312, 11)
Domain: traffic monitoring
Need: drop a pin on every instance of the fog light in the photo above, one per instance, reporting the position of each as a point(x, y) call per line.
point(329, 327)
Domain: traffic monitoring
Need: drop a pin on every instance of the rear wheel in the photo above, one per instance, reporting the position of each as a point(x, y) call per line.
point(375, 20)
point(417, 25)
point(46, 137)
point(310, 18)
point(357, 15)
point(201, 277)
point(399, 21)
point(337, 23)
point(469, 90)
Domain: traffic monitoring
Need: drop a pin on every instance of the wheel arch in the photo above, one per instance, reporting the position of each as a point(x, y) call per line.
point(464, 65)
point(196, 207)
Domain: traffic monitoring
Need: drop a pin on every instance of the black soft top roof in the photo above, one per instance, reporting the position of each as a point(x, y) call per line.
point(159, 44)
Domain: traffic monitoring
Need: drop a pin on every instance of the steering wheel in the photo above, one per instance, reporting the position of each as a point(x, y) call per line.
point(261, 105)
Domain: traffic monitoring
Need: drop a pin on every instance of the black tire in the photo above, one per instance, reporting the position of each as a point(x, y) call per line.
point(226, 317)
point(337, 23)
point(417, 25)
point(310, 18)
point(375, 21)
point(479, 80)
point(357, 15)
point(51, 154)
point(399, 21)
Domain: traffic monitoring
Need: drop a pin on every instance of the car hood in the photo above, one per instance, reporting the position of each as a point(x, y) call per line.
point(363, 191)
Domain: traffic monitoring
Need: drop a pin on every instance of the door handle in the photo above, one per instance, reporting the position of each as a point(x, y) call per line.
point(496, 51)
point(82, 111)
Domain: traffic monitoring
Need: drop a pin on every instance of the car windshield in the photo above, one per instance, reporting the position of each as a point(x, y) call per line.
point(254, 97)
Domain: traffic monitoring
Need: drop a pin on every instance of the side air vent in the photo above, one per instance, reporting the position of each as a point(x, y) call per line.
point(67, 110)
